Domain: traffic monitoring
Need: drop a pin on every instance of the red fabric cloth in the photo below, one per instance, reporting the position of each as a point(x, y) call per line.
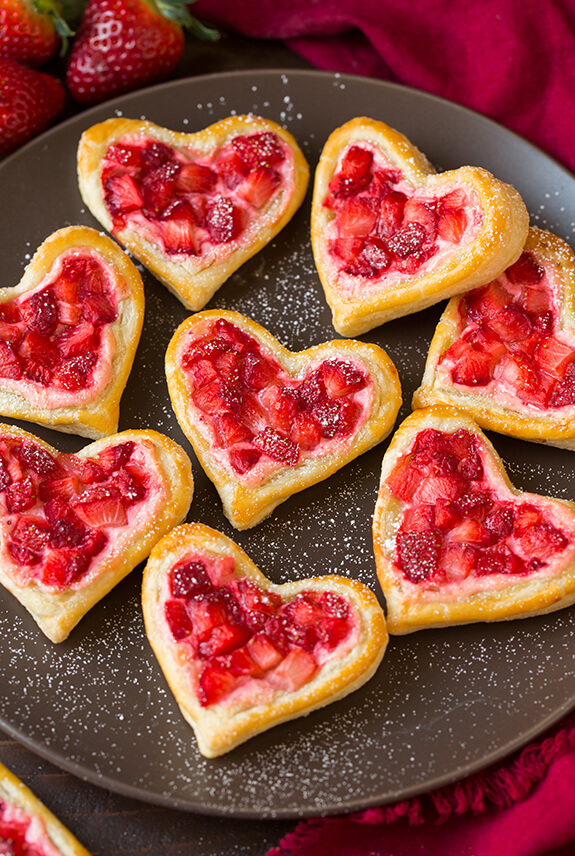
point(514, 61)
point(511, 60)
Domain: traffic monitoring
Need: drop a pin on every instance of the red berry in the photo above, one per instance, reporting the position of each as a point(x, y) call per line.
point(29, 102)
point(29, 31)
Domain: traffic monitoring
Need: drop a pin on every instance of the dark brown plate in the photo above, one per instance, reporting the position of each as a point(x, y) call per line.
point(443, 703)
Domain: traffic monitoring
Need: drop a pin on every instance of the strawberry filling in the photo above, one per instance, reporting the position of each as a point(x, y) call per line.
point(23, 835)
point(194, 206)
point(55, 344)
point(245, 642)
point(384, 227)
point(461, 523)
point(258, 417)
point(61, 514)
point(511, 343)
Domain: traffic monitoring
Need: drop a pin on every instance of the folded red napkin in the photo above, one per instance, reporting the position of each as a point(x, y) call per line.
point(513, 61)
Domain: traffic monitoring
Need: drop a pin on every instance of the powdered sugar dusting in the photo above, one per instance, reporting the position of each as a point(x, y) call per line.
point(443, 702)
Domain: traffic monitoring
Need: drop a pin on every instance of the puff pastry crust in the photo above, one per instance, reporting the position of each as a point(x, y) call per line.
point(514, 402)
point(194, 278)
point(248, 497)
point(489, 235)
point(262, 699)
point(166, 471)
point(93, 410)
point(21, 807)
point(449, 552)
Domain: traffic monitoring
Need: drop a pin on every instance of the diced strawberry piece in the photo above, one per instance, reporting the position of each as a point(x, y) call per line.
point(180, 236)
point(311, 391)
point(20, 495)
point(390, 216)
point(526, 516)
point(338, 421)
point(451, 224)
point(62, 568)
point(59, 488)
point(417, 211)
point(259, 186)
point(9, 364)
point(69, 314)
point(223, 639)
point(122, 195)
point(78, 340)
point(240, 662)
point(483, 303)
point(231, 168)
point(260, 149)
point(458, 561)
point(303, 610)
point(498, 560)
point(276, 447)
point(37, 459)
point(473, 368)
point(564, 393)
point(354, 174)
point(214, 684)
point(534, 299)
point(356, 217)
point(10, 312)
point(525, 271)
point(21, 554)
point(418, 517)
point(189, 579)
point(232, 335)
point(334, 605)
point(440, 486)
point(476, 504)
point(543, 323)
point(405, 478)
point(223, 220)
point(125, 154)
point(332, 632)
point(222, 571)
point(10, 333)
point(446, 514)
point(203, 372)
point(196, 178)
point(113, 457)
point(230, 430)
point(295, 670)
point(263, 652)
point(256, 372)
point(471, 532)
point(552, 356)
point(500, 521)
point(155, 154)
point(408, 241)
point(484, 339)
point(511, 323)
point(211, 398)
point(242, 460)
point(99, 309)
point(347, 249)
point(73, 374)
point(91, 277)
point(374, 257)
point(36, 347)
point(101, 506)
point(40, 312)
point(341, 378)
point(207, 614)
point(542, 540)
point(281, 405)
point(66, 528)
point(31, 532)
point(305, 431)
point(418, 554)
point(519, 371)
point(179, 621)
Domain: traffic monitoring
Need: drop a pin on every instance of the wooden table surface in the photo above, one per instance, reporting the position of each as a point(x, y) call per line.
point(106, 823)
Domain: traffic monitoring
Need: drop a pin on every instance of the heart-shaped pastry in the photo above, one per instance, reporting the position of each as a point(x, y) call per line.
point(454, 541)
point(192, 207)
point(27, 826)
point(390, 236)
point(74, 525)
point(69, 333)
point(505, 352)
point(241, 654)
point(265, 422)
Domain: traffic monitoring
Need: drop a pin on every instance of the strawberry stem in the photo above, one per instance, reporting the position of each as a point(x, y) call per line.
point(177, 10)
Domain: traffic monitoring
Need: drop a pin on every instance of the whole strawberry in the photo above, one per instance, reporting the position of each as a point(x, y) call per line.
point(29, 102)
point(31, 31)
point(123, 45)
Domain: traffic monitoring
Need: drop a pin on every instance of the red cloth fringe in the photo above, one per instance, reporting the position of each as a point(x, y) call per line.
point(498, 786)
